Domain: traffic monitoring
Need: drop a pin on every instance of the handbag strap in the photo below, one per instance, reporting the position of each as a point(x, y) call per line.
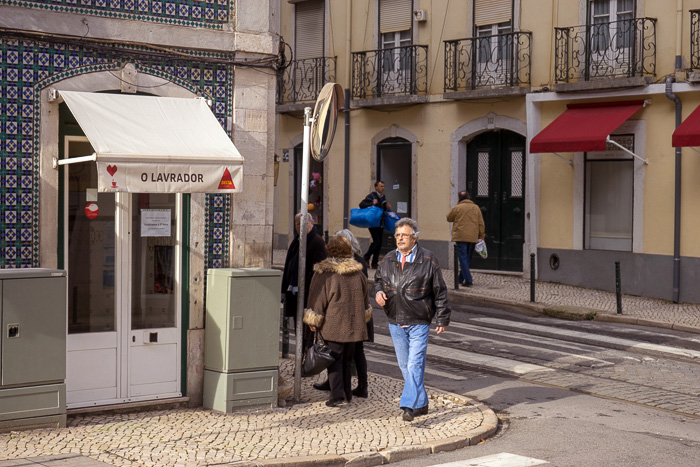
point(318, 338)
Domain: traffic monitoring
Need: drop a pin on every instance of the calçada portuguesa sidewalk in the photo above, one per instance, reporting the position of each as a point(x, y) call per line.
point(365, 432)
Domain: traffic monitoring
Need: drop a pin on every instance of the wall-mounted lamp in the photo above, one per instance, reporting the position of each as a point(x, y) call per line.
point(277, 167)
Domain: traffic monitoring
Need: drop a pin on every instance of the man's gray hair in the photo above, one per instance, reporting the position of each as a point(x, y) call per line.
point(409, 222)
point(345, 233)
point(308, 216)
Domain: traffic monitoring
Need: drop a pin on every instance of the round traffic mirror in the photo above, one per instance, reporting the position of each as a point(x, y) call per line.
point(325, 117)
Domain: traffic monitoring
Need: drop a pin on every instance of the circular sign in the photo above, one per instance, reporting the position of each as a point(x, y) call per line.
point(91, 210)
point(325, 116)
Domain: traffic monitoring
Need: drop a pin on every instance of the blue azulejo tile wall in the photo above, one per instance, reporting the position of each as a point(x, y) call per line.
point(211, 14)
point(28, 66)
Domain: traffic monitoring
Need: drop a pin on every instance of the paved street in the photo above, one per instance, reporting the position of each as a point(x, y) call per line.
point(370, 431)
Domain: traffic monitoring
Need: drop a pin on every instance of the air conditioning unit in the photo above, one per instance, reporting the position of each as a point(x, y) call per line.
point(420, 15)
point(694, 77)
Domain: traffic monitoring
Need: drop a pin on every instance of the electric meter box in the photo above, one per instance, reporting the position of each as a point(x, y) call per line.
point(241, 339)
point(32, 348)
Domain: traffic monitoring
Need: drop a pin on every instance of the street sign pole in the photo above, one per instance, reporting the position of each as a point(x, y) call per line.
point(301, 271)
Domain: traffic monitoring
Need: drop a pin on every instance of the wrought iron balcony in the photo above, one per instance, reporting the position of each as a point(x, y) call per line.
point(303, 79)
point(501, 60)
point(394, 71)
point(695, 39)
point(617, 49)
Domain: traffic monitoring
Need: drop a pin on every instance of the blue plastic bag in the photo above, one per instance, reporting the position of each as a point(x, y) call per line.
point(367, 217)
point(390, 219)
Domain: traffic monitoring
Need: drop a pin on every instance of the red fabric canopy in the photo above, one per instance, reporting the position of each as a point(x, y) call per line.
point(688, 132)
point(584, 127)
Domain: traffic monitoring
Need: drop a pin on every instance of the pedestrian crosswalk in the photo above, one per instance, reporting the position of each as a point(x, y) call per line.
point(503, 459)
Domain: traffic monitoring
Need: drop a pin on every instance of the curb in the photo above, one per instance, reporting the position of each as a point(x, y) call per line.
point(488, 428)
point(569, 312)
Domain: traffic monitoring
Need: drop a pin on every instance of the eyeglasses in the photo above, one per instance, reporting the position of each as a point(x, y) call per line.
point(402, 235)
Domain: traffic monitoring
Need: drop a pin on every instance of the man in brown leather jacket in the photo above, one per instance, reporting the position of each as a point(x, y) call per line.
point(408, 283)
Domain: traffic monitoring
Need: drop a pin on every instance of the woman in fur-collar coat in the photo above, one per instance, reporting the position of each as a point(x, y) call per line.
point(338, 307)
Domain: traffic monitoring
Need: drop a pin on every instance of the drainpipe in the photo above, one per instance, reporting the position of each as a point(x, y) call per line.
point(679, 34)
point(677, 198)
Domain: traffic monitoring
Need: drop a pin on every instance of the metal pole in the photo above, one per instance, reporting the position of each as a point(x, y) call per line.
point(456, 268)
point(532, 277)
point(618, 287)
point(302, 253)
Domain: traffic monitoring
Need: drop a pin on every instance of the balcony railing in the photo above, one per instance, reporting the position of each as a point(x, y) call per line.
point(393, 71)
point(501, 60)
point(303, 79)
point(695, 39)
point(618, 49)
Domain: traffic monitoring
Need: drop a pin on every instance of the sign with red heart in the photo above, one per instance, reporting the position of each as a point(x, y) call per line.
point(112, 169)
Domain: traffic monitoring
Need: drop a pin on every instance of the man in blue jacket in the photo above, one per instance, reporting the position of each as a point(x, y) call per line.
point(408, 283)
point(376, 198)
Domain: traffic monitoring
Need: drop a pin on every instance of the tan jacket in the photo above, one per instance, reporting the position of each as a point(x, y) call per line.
point(338, 302)
point(468, 223)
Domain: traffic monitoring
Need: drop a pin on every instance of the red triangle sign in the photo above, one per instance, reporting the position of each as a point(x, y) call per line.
point(226, 182)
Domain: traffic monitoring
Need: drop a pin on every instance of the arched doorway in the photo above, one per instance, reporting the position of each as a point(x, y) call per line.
point(495, 179)
point(394, 168)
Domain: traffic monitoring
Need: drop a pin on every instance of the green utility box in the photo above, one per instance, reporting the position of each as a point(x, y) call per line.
point(241, 340)
point(32, 348)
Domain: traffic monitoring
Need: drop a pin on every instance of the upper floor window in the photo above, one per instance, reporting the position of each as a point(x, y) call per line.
point(611, 18)
point(395, 18)
point(309, 29)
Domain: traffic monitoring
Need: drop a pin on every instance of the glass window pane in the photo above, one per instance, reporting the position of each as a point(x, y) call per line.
point(91, 242)
point(154, 221)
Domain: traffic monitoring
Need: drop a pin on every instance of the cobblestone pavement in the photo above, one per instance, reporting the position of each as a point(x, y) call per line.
point(304, 432)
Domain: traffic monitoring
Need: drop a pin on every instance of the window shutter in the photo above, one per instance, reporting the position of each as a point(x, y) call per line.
point(308, 30)
point(492, 11)
point(395, 15)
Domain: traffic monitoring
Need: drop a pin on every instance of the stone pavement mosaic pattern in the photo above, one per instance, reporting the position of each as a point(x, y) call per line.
point(194, 437)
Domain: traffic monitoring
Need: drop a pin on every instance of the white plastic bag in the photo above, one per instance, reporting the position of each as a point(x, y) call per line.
point(481, 249)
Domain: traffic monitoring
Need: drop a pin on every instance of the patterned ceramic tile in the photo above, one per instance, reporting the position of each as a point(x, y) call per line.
point(30, 66)
point(180, 12)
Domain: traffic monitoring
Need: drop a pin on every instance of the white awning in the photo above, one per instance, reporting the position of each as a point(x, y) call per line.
point(147, 144)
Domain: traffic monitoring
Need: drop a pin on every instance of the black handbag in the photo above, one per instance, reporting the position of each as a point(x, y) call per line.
point(317, 357)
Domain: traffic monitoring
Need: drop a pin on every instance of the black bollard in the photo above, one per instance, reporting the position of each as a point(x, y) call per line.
point(456, 268)
point(532, 277)
point(618, 287)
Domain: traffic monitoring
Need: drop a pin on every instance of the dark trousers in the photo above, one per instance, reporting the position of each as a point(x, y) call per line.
point(360, 364)
point(376, 246)
point(465, 251)
point(340, 371)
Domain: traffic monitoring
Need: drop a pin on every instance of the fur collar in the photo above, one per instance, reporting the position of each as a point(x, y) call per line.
point(338, 266)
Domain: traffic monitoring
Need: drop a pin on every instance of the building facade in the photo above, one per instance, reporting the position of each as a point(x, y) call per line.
point(556, 115)
point(136, 261)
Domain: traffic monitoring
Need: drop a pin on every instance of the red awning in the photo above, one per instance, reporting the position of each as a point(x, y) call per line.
point(584, 127)
point(688, 132)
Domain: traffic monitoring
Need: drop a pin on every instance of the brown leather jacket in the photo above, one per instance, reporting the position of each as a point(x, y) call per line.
point(415, 294)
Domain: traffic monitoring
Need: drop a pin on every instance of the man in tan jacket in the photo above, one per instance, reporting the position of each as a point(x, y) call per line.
point(467, 230)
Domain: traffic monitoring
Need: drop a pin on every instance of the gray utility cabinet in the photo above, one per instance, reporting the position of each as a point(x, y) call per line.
point(32, 348)
point(241, 340)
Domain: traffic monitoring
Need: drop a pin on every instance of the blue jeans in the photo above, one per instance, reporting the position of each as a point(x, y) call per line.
point(465, 251)
point(411, 347)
